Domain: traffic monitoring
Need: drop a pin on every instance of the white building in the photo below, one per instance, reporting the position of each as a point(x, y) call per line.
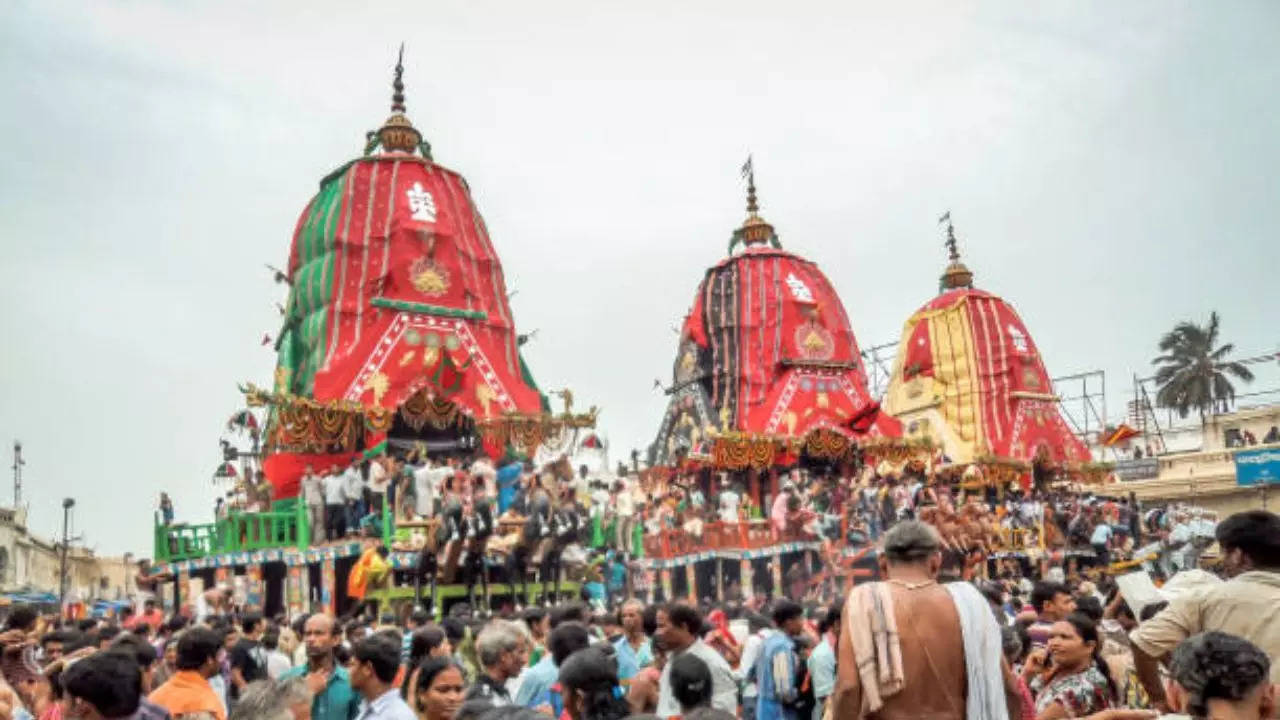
point(33, 564)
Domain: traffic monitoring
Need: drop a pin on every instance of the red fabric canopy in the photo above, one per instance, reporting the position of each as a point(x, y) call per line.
point(284, 470)
point(419, 297)
point(968, 354)
point(767, 348)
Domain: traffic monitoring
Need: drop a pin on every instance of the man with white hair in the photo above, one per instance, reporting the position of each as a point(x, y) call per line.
point(503, 653)
point(274, 700)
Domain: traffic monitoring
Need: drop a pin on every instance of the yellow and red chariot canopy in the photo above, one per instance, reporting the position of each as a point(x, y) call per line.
point(969, 375)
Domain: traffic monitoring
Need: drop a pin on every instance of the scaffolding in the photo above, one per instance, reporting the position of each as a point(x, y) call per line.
point(1082, 398)
point(878, 361)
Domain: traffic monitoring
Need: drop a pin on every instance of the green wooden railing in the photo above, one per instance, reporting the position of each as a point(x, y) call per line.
point(285, 527)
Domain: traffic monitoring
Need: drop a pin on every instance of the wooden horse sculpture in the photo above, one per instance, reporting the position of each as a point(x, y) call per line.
point(478, 527)
point(428, 565)
point(535, 535)
point(453, 531)
point(566, 528)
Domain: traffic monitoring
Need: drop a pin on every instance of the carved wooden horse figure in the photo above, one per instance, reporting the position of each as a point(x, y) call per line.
point(428, 565)
point(566, 528)
point(526, 553)
point(453, 532)
point(477, 528)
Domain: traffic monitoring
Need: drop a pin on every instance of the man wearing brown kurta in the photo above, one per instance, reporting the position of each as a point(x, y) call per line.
point(933, 669)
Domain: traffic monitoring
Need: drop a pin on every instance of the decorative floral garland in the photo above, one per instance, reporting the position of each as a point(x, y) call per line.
point(525, 432)
point(423, 407)
point(896, 450)
point(738, 451)
point(827, 444)
point(305, 425)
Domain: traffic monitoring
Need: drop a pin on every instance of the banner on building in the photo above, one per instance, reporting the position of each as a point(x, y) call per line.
point(1137, 469)
point(1258, 467)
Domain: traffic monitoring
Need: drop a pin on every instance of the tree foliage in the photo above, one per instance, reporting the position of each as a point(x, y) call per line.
point(1194, 372)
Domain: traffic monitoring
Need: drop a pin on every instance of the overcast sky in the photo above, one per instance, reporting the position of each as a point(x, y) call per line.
point(1111, 168)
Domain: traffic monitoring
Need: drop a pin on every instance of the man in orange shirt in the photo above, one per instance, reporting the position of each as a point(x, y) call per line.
point(151, 615)
point(188, 691)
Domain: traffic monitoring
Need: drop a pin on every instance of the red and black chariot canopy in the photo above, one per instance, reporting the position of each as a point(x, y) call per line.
point(767, 349)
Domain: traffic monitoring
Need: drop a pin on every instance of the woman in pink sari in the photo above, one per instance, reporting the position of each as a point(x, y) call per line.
point(778, 511)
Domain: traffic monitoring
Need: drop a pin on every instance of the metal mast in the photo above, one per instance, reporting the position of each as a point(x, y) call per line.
point(18, 462)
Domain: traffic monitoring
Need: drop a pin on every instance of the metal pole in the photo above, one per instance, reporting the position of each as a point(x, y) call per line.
point(67, 504)
point(1102, 376)
point(18, 462)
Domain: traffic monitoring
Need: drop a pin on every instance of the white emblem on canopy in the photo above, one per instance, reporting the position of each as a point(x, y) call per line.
point(421, 203)
point(799, 290)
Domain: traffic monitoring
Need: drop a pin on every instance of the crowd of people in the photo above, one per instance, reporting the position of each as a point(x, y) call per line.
point(843, 506)
point(918, 643)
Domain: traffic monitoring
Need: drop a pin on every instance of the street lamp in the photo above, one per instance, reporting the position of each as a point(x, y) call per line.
point(67, 504)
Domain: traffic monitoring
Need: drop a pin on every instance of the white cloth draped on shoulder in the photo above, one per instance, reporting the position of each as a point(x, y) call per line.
point(877, 649)
point(982, 654)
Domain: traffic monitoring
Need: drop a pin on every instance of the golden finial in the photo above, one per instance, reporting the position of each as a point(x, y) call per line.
point(397, 133)
point(956, 275)
point(755, 230)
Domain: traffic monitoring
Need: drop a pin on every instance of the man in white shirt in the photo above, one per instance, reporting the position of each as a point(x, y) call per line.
point(484, 473)
point(335, 505)
point(624, 508)
point(379, 481)
point(428, 481)
point(599, 500)
point(375, 662)
point(424, 498)
point(353, 495)
point(760, 629)
point(1247, 605)
point(678, 630)
point(313, 497)
point(729, 501)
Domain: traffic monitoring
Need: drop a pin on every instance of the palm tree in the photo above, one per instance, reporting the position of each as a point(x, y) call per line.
point(1193, 373)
